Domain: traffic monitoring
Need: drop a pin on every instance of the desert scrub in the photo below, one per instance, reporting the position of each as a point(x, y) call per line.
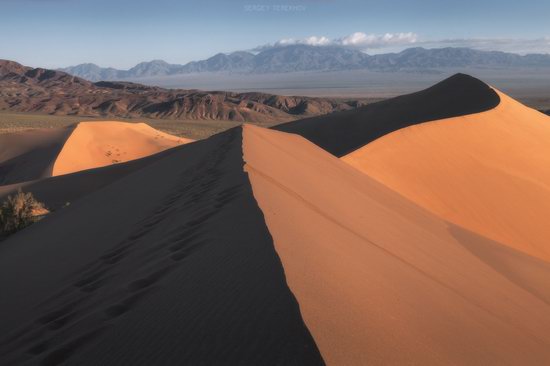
point(19, 211)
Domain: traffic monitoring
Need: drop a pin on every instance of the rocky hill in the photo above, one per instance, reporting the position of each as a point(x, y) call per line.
point(24, 89)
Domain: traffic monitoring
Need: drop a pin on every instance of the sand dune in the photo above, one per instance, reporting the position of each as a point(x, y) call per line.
point(37, 154)
point(30, 155)
point(341, 133)
point(488, 172)
point(258, 247)
point(56, 192)
point(170, 264)
point(381, 281)
point(96, 144)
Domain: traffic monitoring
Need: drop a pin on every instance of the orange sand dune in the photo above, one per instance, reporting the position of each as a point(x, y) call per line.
point(381, 281)
point(38, 154)
point(488, 172)
point(257, 247)
point(96, 144)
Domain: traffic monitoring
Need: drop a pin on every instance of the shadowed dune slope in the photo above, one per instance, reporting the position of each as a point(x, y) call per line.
point(171, 264)
point(488, 172)
point(30, 155)
point(39, 154)
point(381, 281)
point(57, 191)
point(343, 132)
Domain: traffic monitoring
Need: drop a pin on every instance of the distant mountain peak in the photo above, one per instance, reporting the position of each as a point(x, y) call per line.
point(154, 62)
point(301, 57)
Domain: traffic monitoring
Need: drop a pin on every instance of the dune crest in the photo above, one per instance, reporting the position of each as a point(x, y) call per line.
point(97, 144)
point(488, 172)
point(343, 132)
point(186, 274)
point(380, 280)
point(37, 154)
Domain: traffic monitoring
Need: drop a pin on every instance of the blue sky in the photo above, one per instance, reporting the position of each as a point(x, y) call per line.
point(121, 33)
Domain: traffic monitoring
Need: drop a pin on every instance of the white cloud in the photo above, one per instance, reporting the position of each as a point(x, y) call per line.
point(358, 40)
point(317, 41)
point(311, 41)
point(285, 42)
point(366, 41)
point(395, 42)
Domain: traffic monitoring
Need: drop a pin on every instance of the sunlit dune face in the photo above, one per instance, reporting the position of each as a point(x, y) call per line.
point(382, 281)
point(97, 144)
point(488, 172)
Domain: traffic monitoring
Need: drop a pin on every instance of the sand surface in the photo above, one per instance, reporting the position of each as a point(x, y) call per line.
point(96, 144)
point(381, 281)
point(31, 154)
point(258, 247)
point(341, 133)
point(38, 154)
point(488, 172)
point(170, 264)
point(58, 191)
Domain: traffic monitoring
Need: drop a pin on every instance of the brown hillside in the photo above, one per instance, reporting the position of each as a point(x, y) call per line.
point(23, 89)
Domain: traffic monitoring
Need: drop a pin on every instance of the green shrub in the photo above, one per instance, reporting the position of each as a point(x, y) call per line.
point(19, 211)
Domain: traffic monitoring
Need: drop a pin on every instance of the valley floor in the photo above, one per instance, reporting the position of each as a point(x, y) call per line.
point(14, 122)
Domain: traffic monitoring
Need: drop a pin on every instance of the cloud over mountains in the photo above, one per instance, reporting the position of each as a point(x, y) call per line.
point(394, 42)
point(357, 40)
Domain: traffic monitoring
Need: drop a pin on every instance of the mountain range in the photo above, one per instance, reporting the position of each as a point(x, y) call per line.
point(26, 89)
point(302, 58)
